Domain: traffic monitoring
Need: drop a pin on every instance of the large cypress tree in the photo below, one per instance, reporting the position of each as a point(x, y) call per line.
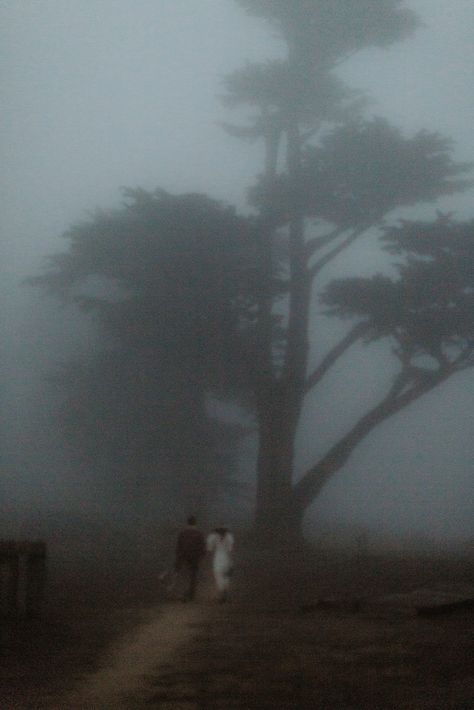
point(328, 177)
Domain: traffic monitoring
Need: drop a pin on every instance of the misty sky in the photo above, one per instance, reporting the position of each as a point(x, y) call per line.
point(99, 94)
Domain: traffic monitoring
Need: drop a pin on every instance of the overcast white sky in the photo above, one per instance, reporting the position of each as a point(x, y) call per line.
point(98, 94)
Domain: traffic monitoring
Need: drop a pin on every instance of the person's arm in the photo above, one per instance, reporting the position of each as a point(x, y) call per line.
point(210, 542)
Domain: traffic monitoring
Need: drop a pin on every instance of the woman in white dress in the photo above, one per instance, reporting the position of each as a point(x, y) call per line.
point(220, 544)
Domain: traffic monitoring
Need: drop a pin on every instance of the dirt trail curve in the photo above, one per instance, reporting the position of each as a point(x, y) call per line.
point(123, 679)
point(262, 651)
point(199, 656)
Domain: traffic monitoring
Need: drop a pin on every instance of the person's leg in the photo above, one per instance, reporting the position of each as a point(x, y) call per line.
point(193, 575)
point(221, 585)
point(225, 588)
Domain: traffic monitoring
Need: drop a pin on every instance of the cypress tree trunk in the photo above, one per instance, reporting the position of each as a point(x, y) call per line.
point(280, 396)
point(274, 469)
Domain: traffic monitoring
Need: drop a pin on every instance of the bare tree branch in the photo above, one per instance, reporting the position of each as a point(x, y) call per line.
point(312, 245)
point(316, 268)
point(335, 353)
point(314, 479)
point(400, 382)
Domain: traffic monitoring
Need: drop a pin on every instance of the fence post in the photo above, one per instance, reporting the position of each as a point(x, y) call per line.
point(25, 567)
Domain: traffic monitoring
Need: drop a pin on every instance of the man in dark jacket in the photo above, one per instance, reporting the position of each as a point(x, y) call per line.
point(190, 549)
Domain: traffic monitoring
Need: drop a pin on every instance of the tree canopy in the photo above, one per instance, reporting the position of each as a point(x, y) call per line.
point(165, 273)
point(361, 171)
point(165, 278)
point(328, 31)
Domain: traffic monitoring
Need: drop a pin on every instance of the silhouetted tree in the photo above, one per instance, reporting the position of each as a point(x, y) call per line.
point(329, 176)
point(426, 315)
point(163, 278)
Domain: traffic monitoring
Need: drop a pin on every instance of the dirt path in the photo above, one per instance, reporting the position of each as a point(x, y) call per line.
point(269, 648)
point(249, 656)
point(121, 680)
point(195, 656)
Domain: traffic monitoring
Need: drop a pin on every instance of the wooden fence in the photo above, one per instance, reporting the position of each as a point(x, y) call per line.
point(22, 577)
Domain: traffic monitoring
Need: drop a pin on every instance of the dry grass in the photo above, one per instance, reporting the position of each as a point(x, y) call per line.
point(272, 646)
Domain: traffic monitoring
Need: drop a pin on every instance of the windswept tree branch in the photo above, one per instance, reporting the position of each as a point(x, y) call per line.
point(312, 245)
point(314, 479)
point(316, 268)
point(401, 381)
point(335, 353)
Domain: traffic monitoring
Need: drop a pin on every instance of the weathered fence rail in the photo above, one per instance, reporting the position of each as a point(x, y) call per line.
point(22, 577)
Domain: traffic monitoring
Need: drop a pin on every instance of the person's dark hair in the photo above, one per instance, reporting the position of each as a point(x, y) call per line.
point(192, 520)
point(221, 531)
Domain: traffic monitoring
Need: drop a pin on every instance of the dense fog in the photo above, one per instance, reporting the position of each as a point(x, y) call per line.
point(99, 96)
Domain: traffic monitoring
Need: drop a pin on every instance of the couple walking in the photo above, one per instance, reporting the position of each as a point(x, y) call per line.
point(191, 548)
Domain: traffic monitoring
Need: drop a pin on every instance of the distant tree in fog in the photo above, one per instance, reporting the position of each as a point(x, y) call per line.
point(328, 177)
point(163, 279)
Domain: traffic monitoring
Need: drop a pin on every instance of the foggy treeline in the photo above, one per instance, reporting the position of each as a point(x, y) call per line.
point(278, 336)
